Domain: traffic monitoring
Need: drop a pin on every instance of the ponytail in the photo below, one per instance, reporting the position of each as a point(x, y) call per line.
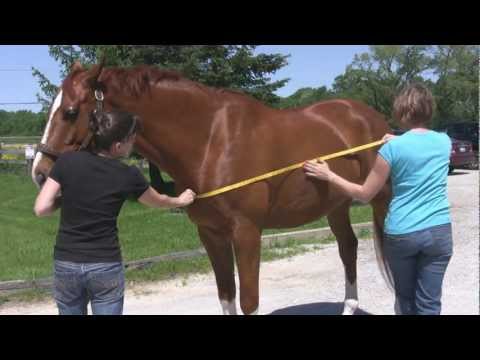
point(110, 127)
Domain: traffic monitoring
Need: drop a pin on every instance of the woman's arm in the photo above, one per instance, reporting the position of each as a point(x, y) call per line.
point(152, 198)
point(47, 200)
point(376, 179)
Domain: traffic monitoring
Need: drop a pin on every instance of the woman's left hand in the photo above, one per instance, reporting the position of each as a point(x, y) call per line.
point(317, 169)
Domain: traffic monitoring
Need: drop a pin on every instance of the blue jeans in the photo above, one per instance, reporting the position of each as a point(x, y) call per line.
point(418, 262)
point(75, 284)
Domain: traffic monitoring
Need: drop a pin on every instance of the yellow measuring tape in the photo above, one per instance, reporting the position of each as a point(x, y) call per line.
point(286, 169)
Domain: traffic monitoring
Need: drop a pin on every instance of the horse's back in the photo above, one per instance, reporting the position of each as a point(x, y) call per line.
point(349, 117)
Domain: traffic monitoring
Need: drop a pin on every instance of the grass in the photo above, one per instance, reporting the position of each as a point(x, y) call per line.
point(26, 296)
point(161, 271)
point(358, 214)
point(26, 242)
point(199, 265)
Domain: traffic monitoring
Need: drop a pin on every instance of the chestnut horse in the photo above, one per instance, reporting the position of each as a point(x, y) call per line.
point(206, 138)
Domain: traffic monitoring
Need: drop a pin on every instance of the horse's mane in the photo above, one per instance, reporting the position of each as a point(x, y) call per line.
point(138, 80)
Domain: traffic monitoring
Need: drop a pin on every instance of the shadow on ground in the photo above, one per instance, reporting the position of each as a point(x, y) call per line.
point(316, 309)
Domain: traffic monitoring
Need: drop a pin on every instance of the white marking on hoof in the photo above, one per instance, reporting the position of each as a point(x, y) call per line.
point(229, 307)
point(350, 306)
point(351, 297)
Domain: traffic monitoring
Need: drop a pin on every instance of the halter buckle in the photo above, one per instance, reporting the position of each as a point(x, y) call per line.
point(99, 95)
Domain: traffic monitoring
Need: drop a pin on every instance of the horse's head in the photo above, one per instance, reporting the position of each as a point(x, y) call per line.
point(68, 119)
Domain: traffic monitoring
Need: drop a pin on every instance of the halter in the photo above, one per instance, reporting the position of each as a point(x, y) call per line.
point(45, 149)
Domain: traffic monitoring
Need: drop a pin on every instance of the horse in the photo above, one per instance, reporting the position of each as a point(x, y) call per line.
point(206, 138)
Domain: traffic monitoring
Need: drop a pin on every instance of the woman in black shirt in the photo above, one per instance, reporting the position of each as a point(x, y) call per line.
point(94, 185)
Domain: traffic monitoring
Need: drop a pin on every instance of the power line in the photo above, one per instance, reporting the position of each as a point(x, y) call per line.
point(15, 70)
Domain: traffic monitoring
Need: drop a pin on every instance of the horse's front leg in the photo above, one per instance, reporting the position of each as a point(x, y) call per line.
point(219, 249)
point(247, 244)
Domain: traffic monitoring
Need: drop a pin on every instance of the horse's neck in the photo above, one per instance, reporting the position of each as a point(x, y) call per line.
point(176, 132)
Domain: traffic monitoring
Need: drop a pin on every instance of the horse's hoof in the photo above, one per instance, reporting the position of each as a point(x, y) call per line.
point(229, 307)
point(350, 306)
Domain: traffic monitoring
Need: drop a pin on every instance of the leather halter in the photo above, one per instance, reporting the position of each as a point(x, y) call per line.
point(54, 154)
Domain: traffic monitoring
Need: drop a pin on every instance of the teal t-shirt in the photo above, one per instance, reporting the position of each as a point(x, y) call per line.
point(418, 168)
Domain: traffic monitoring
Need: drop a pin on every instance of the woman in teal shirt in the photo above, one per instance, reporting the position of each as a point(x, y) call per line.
point(418, 232)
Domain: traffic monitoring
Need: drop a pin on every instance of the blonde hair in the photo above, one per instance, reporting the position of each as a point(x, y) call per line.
point(414, 106)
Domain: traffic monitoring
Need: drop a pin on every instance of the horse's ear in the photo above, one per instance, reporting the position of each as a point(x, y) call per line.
point(103, 59)
point(94, 73)
point(77, 66)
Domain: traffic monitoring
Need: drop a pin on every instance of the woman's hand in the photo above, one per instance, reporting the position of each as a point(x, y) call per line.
point(388, 137)
point(317, 169)
point(186, 198)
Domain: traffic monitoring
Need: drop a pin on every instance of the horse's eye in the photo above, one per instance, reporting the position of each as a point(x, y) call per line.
point(71, 114)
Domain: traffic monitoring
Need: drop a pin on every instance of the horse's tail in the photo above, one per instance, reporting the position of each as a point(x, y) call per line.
point(380, 206)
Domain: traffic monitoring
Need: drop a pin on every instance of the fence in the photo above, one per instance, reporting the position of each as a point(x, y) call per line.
point(267, 241)
point(16, 158)
point(20, 160)
point(19, 140)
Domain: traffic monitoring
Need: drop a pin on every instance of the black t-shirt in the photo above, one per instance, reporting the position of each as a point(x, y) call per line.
point(94, 189)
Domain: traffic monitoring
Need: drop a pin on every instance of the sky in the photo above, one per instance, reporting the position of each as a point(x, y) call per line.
point(308, 66)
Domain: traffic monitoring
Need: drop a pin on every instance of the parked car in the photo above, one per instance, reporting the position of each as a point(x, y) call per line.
point(464, 131)
point(462, 155)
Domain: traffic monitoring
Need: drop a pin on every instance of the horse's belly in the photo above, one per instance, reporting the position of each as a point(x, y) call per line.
point(299, 201)
point(284, 218)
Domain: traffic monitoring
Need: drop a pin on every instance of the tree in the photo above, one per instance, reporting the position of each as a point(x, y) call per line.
point(456, 90)
point(66, 55)
point(376, 77)
point(304, 97)
point(21, 123)
point(450, 71)
point(227, 66)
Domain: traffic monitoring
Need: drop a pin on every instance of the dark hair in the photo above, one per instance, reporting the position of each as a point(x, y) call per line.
point(414, 106)
point(109, 127)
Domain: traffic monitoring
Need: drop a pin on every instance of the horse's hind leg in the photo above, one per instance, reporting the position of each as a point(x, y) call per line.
point(339, 221)
point(219, 249)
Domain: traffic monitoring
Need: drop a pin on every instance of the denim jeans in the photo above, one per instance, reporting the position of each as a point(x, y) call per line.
point(418, 262)
point(101, 284)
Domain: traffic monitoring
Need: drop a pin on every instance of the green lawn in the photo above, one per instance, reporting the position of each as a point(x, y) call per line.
point(26, 242)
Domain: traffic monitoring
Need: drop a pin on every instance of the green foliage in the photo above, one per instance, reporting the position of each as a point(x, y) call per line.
point(376, 77)
point(456, 90)
point(450, 71)
point(304, 97)
point(21, 123)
